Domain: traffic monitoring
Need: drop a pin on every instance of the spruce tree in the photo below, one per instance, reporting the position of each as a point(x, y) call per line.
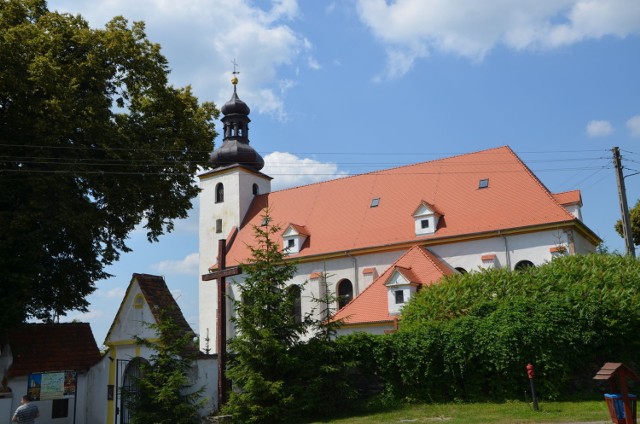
point(263, 363)
point(164, 392)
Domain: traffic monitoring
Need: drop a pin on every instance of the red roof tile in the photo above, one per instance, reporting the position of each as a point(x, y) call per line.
point(52, 347)
point(157, 294)
point(339, 216)
point(371, 306)
point(566, 198)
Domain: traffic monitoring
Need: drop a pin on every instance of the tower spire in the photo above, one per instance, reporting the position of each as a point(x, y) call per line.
point(235, 149)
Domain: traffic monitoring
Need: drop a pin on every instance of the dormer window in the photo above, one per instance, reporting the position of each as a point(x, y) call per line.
point(294, 237)
point(426, 218)
point(401, 285)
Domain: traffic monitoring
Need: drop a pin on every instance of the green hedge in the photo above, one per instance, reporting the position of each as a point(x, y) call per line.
point(471, 336)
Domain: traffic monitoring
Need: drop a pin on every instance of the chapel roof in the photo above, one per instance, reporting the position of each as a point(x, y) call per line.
point(340, 216)
point(158, 298)
point(52, 347)
point(418, 264)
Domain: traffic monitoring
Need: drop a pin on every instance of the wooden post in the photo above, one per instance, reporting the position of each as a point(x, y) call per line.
point(221, 316)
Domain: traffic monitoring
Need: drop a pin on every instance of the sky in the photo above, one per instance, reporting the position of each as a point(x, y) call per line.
point(346, 87)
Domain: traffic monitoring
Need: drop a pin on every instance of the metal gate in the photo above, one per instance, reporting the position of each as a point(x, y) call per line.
point(127, 374)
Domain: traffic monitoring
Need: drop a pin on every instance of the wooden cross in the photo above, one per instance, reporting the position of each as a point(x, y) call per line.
point(221, 317)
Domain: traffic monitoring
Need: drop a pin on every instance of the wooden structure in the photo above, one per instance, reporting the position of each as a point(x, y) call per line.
point(618, 374)
point(221, 317)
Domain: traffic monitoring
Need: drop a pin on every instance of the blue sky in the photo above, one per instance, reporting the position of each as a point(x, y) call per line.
point(345, 87)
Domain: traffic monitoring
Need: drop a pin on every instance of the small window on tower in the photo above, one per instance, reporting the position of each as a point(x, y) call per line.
point(255, 189)
point(219, 193)
point(218, 225)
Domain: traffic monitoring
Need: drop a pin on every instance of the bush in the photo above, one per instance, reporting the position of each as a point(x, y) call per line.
point(471, 336)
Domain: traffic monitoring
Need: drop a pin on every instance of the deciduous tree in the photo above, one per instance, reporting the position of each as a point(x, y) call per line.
point(93, 142)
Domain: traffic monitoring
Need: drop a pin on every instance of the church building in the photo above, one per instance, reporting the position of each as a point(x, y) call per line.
point(374, 239)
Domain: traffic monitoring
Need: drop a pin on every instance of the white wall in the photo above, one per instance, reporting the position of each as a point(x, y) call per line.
point(238, 195)
point(19, 388)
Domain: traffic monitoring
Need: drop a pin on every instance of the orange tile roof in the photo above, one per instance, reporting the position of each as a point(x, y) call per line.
point(338, 216)
point(52, 347)
point(418, 264)
point(572, 197)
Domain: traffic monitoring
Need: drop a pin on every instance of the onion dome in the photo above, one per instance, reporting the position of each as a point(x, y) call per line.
point(235, 149)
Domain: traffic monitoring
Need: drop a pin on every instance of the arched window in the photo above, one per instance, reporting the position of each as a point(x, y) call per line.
point(345, 293)
point(461, 270)
point(130, 386)
point(523, 265)
point(219, 193)
point(296, 296)
point(255, 189)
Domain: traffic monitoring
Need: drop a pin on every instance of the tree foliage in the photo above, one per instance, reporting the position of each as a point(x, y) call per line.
point(164, 391)
point(266, 332)
point(634, 217)
point(282, 367)
point(471, 336)
point(94, 142)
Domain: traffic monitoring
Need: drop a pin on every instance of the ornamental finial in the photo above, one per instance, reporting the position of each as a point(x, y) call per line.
point(235, 72)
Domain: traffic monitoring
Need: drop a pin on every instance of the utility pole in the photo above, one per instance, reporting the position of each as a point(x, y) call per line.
point(622, 194)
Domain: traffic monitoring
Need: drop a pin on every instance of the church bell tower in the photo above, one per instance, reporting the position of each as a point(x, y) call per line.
point(227, 192)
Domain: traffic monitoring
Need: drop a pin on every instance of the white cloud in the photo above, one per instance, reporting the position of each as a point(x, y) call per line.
point(599, 128)
point(289, 170)
point(187, 265)
point(200, 38)
point(114, 293)
point(83, 316)
point(633, 125)
point(410, 29)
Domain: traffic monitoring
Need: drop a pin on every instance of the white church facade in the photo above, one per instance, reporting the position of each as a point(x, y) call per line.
point(374, 238)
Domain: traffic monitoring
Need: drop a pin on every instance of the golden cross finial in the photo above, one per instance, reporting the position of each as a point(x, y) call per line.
point(235, 72)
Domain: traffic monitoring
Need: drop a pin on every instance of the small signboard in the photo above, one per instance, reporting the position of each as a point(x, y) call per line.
point(52, 385)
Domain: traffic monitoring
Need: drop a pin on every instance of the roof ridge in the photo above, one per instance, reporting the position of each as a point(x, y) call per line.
point(566, 191)
point(382, 171)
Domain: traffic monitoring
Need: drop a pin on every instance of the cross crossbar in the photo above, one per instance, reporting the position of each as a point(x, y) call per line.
point(221, 273)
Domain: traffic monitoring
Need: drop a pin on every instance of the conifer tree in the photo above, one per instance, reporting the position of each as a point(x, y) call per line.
point(263, 362)
point(164, 392)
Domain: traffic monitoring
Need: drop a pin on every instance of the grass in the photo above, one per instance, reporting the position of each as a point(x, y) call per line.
point(485, 413)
